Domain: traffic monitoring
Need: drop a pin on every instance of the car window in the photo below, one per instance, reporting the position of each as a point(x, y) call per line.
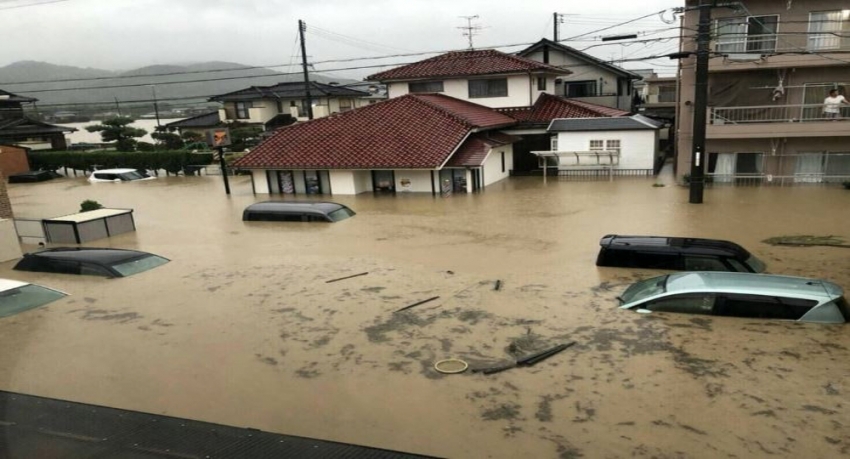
point(739, 267)
point(340, 214)
point(92, 270)
point(762, 306)
point(60, 266)
point(142, 264)
point(131, 176)
point(644, 289)
point(842, 305)
point(757, 265)
point(656, 260)
point(690, 303)
point(694, 263)
point(26, 297)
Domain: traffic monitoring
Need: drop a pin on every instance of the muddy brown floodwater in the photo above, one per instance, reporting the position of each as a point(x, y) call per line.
point(241, 327)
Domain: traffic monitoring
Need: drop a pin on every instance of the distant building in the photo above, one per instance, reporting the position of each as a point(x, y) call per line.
point(17, 129)
point(772, 65)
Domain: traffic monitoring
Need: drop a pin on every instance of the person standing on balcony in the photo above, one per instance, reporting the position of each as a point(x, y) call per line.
point(832, 104)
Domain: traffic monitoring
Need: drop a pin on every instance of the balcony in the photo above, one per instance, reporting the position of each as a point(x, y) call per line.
point(768, 121)
point(779, 51)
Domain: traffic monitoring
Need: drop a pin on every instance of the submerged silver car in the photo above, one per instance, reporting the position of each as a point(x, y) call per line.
point(760, 296)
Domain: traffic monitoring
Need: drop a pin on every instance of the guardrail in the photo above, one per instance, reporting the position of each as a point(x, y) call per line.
point(772, 114)
point(775, 180)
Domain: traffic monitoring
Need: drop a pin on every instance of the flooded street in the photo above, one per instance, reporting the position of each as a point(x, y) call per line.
point(241, 328)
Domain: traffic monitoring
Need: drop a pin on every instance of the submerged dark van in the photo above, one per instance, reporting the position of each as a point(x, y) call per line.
point(676, 253)
point(282, 211)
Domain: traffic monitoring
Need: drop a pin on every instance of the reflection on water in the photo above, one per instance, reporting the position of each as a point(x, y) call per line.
point(241, 327)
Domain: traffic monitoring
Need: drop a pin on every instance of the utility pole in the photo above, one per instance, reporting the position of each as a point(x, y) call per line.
point(555, 20)
point(301, 28)
point(470, 30)
point(117, 106)
point(697, 182)
point(155, 104)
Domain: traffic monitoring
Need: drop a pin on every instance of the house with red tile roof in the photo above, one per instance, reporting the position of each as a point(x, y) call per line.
point(486, 77)
point(429, 143)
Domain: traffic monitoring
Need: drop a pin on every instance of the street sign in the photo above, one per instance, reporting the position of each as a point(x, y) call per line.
point(219, 137)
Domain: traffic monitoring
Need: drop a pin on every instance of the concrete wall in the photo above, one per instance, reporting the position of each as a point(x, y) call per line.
point(10, 249)
point(493, 165)
point(13, 160)
point(343, 182)
point(5, 203)
point(362, 181)
point(520, 92)
point(261, 181)
point(419, 181)
point(638, 149)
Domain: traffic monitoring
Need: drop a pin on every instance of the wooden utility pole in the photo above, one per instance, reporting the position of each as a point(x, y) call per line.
point(555, 19)
point(697, 182)
point(302, 26)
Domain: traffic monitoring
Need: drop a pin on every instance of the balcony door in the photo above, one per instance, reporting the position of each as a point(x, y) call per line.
point(813, 97)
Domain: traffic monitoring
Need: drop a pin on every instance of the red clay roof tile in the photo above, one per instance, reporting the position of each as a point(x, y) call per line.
point(466, 63)
point(412, 131)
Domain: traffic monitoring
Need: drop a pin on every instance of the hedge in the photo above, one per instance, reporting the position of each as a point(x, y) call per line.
point(171, 161)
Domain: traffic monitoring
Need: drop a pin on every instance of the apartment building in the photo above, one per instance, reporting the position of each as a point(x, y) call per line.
point(772, 65)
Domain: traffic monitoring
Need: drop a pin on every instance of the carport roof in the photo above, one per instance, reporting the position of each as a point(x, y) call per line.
point(408, 132)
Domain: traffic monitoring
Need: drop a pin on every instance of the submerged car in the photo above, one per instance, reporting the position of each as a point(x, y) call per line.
point(33, 176)
point(90, 261)
point(676, 254)
point(118, 175)
point(18, 296)
point(761, 296)
point(287, 211)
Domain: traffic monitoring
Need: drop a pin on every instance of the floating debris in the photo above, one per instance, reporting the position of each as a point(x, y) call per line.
point(417, 304)
point(808, 240)
point(451, 366)
point(346, 277)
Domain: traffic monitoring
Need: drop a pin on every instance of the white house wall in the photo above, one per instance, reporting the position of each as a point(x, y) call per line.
point(261, 184)
point(518, 91)
point(342, 182)
point(582, 70)
point(637, 148)
point(362, 181)
point(493, 165)
point(420, 181)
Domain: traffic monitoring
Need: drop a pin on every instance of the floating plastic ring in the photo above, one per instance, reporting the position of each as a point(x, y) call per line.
point(451, 366)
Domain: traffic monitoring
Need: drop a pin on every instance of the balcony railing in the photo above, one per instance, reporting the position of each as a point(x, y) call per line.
point(774, 180)
point(772, 114)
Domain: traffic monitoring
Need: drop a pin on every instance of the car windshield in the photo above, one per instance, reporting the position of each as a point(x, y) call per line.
point(644, 289)
point(340, 214)
point(755, 264)
point(134, 175)
point(138, 265)
point(26, 297)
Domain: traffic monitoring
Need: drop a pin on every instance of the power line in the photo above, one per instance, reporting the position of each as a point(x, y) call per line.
point(32, 4)
point(616, 25)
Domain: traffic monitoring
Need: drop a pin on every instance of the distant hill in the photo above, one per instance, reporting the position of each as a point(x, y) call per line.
point(237, 76)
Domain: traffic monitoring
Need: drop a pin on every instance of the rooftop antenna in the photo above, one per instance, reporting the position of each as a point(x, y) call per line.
point(470, 30)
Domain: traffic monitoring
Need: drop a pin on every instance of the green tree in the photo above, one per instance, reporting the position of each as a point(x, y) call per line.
point(244, 137)
point(168, 140)
point(192, 136)
point(118, 130)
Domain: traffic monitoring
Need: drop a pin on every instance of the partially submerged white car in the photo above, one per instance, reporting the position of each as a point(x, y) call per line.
point(118, 175)
point(16, 296)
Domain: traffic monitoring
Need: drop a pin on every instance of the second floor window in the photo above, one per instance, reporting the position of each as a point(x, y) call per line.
point(495, 87)
point(344, 105)
point(667, 93)
point(754, 34)
point(580, 88)
point(242, 110)
point(425, 86)
point(541, 83)
point(829, 30)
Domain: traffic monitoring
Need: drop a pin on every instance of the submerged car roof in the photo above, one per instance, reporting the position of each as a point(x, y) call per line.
point(288, 206)
point(662, 243)
point(762, 284)
point(115, 171)
point(9, 284)
point(104, 256)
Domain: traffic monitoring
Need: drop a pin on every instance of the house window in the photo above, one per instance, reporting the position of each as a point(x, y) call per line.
point(612, 145)
point(753, 34)
point(496, 87)
point(724, 167)
point(667, 93)
point(813, 97)
point(597, 145)
point(553, 143)
point(242, 110)
point(541, 83)
point(580, 88)
point(829, 30)
point(344, 105)
point(425, 86)
point(280, 106)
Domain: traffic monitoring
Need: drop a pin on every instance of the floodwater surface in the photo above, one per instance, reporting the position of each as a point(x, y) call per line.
point(242, 328)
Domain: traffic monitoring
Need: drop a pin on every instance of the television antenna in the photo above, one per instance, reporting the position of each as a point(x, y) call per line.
point(470, 29)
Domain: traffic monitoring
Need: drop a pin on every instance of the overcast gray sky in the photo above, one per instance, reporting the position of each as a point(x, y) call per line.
point(125, 34)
